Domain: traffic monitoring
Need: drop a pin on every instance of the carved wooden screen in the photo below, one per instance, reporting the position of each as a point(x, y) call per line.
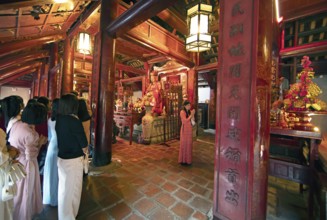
point(173, 106)
point(305, 30)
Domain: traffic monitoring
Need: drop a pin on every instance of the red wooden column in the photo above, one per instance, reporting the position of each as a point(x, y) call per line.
point(212, 107)
point(146, 80)
point(103, 100)
point(53, 61)
point(68, 67)
point(241, 160)
point(44, 80)
point(191, 80)
point(37, 80)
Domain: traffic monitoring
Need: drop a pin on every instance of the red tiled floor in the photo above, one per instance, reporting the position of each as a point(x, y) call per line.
point(161, 214)
point(134, 217)
point(157, 180)
point(173, 177)
point(145, 206)
point(203, 205)
point(120, 211)
point(138, 182)
point(185, 183)
point(145, 182)
point(132, 196)
point(199, 216)
point(169, 187)
point(199, 180)
point(199, 190)
point(183, 194)
point(150, 190)
point(101, 215)
point(182, 210)
point(109, 200)
point(165, 199)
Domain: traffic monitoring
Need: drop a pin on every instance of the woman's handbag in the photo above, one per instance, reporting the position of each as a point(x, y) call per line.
point(193, 122)
point(9, 190)
point(86, 163)
point(17, 172)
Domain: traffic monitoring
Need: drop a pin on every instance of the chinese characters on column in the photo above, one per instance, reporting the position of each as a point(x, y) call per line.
point(233, 152)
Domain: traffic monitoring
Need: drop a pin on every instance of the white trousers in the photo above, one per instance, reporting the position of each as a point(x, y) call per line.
point(70, 172)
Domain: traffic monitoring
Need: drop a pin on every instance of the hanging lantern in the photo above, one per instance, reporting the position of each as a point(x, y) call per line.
point(84, 43)
point(199, 38)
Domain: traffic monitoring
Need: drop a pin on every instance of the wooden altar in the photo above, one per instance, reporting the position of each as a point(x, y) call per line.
point(128, 119)
point(292, 166)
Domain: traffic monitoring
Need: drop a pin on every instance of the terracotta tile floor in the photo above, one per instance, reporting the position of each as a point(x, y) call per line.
point(146, 182)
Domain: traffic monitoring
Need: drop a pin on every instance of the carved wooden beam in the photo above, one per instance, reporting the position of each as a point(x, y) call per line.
point(173, 72)
point(306, 9)
point(130, 69)
point(87, 58)
point(12, 71)
point(134, 79)
point(18, 83)
point(211, 55)
point(12, 79)
point(75, 27)
point(150, 35)
point(120, 49)
point(85, 72)
point(21, 58)
point(157, 59)
point(15, 4)
point(207, 67)
point(137, 14)
point(81, 79)
point(174, 20)
point(11, 47)
point(119, 66)
point(304, 49)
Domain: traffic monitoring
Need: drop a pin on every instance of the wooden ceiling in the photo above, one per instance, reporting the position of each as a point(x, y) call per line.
point(38, 20)
point(44, 21)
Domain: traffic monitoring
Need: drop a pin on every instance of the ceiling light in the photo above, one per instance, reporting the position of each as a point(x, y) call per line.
point(84, 43)
point(60, 1)
point(279, 19)
point(199, 38)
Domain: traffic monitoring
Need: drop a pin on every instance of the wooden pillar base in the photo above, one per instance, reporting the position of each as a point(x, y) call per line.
point(100, 158)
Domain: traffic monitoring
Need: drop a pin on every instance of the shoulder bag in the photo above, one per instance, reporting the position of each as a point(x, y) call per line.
point(9, 190)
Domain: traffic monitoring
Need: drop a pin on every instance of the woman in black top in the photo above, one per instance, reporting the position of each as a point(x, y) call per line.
point(72, 144)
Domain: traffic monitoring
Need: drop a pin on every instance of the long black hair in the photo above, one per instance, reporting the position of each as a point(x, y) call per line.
point(68, 104)
point(44, 100)
point(54, 109)
point(11, 106)
point(34, 113)
point(188, 112)
point(83, 113)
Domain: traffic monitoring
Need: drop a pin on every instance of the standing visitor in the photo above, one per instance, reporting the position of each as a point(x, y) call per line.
point(72, 144)
point(84, 115)
point(6, 207)
point(42, 129)
point(186, 142)
point(50, 173)
point(23, 136)
point(11, 108)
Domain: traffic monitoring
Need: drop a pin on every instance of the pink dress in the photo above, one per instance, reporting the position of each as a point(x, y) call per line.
point(186, 142)
point(28, 200)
